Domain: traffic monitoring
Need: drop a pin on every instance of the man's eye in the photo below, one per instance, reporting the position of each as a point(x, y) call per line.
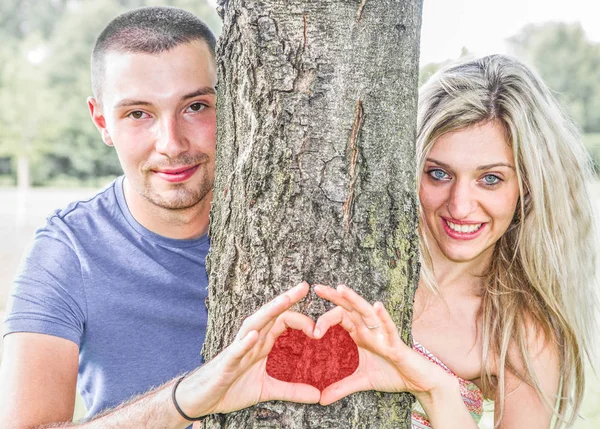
point(137, 114)
point(196, 107)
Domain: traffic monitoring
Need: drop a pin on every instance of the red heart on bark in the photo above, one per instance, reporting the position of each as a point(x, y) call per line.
point(297, 358)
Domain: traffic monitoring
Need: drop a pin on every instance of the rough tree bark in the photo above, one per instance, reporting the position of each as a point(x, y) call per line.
point(315, 175)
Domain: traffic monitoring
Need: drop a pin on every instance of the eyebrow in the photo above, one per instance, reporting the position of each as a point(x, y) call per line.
point(497, 164)
point(205, 90)
point(481, 167)
point(127, 102)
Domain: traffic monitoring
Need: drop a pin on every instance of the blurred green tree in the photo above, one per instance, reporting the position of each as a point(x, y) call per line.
point(568, 62)
point(429, 69)
point(25, 126)
point(19, 18)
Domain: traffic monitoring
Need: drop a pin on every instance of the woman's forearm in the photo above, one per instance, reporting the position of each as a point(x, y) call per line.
point(445, 408)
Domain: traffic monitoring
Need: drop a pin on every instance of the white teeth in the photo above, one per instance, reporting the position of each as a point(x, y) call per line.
point(464, 228)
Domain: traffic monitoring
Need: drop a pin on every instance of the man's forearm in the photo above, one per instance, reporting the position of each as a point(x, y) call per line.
point(154, 409)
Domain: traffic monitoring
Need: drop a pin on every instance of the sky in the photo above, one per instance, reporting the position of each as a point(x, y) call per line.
point(482, 25)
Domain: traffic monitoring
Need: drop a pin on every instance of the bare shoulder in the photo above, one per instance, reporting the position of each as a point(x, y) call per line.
point(524, 405)
point(37, 369)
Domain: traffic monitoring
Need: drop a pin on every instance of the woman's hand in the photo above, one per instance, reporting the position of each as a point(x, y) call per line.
point(385, 363)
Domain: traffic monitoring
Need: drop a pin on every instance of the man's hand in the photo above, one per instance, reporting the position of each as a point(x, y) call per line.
point(236, 378)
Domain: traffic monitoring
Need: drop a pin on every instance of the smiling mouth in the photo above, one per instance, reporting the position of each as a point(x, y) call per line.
point(177, 175)
point(464, 228)
point(177, 170)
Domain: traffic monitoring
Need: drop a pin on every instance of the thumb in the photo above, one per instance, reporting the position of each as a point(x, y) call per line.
point(278, 390)
point(346, 386)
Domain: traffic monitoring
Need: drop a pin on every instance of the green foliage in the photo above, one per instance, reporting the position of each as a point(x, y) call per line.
point(45, 81)
point(26, 126)
point(570, 65)
point(19, 18)
point(430, 69)
point(592, 143)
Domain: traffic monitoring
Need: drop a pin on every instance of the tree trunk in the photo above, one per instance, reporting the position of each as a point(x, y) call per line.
point(315, 176)
point(23, 173)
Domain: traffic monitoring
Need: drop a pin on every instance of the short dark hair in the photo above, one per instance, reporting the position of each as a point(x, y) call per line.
point(150, 30)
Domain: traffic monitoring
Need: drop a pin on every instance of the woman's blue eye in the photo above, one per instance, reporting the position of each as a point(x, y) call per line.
point(438, 174)
point(491, 179)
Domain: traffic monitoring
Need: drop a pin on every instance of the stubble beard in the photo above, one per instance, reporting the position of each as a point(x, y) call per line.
point(181, 196)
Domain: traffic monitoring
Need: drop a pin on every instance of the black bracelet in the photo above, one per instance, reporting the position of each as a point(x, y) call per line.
point(179, 410)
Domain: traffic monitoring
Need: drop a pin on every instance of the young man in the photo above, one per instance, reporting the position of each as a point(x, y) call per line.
point(111, 297)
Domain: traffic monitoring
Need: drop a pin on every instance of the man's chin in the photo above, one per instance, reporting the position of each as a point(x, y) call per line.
point(178, 199)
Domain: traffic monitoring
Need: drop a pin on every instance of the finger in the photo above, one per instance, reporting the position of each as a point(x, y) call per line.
point(269, 333)
point(289, 319)
point(389, 327)
point(239, 348)
point(298, 292)
point(336, 297)
point(366, 310)
point(293, 320)
point(262, 335)
point(344, 387)
point(335, 316)
point(277, 390)
point(330, 294)
point(327, 320)
point(271, 310)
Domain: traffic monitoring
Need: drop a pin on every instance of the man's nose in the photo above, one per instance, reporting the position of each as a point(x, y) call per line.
point(171, 140)
point(461, 201)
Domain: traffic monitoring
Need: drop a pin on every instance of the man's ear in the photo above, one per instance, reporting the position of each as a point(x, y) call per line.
point(99, 120)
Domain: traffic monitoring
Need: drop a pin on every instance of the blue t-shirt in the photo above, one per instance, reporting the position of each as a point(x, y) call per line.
point(132, 300)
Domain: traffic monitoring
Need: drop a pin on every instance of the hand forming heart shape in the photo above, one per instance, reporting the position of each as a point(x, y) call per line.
point(297, 358)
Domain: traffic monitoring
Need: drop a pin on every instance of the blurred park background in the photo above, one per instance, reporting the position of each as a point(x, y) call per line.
point(51, 154)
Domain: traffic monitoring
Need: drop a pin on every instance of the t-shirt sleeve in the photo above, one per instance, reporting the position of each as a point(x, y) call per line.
point(47, 296)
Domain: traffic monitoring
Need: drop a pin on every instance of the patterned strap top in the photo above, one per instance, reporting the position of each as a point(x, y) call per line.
point(471, 394)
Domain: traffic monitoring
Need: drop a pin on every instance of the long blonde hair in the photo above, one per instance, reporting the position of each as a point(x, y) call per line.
point(543, 268)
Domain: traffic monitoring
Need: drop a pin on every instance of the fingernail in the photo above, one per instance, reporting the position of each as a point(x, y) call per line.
point(317, 333)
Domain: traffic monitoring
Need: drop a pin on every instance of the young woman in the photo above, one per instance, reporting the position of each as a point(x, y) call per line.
point(506, 302)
